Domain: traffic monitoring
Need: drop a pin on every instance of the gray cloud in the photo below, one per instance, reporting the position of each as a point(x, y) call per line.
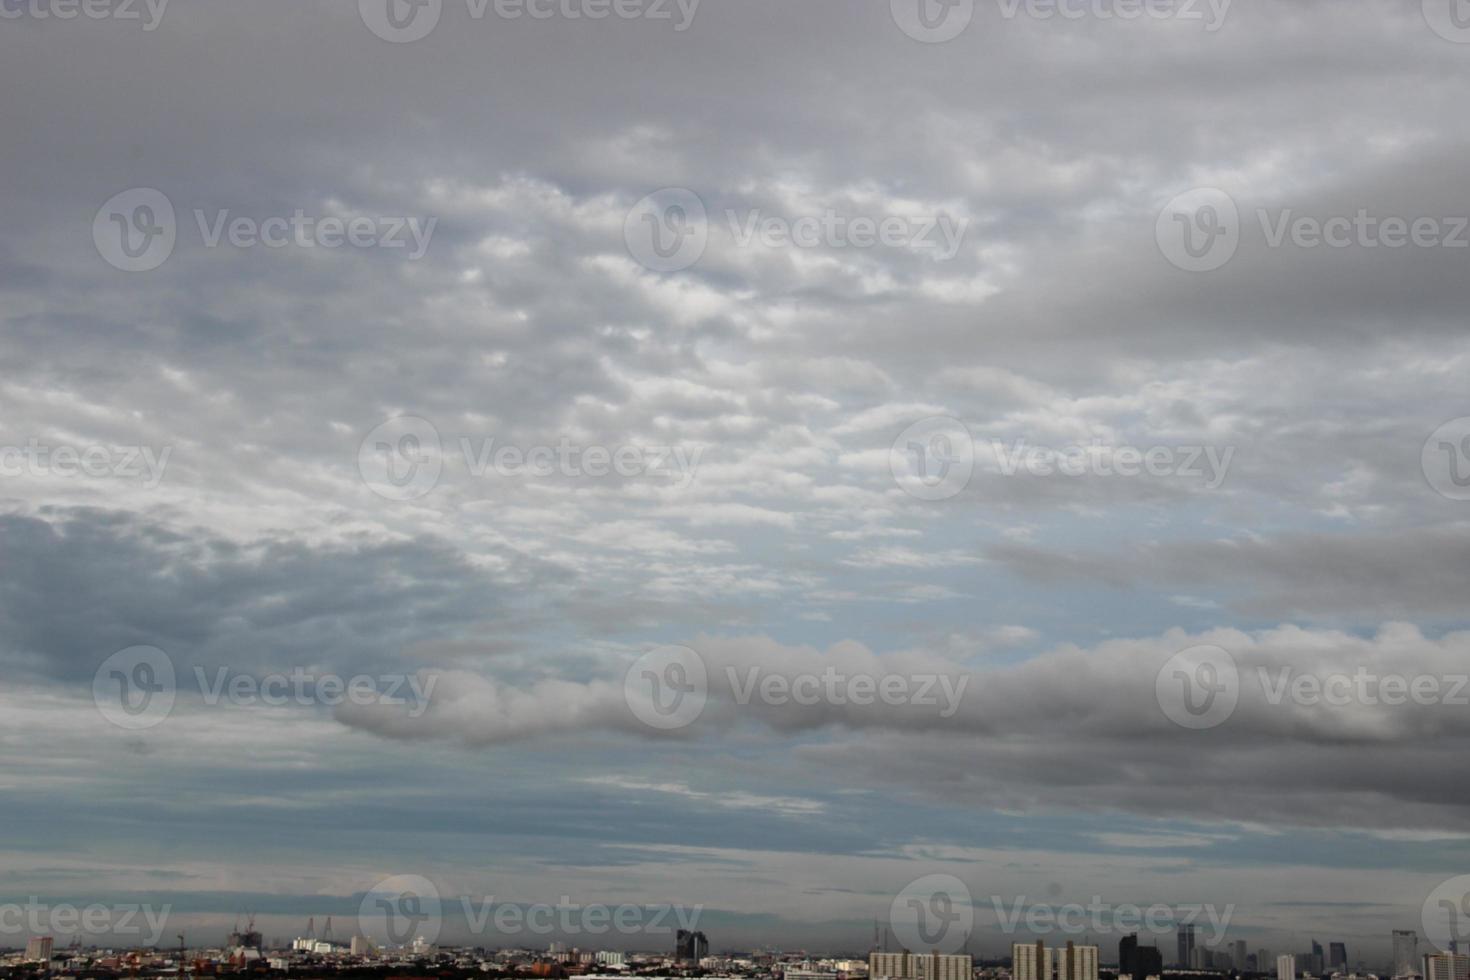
point(789, 372)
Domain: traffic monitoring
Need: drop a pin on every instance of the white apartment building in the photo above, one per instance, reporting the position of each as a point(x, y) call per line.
point(1446, 966)
point(1034, 961)
point(919, 966)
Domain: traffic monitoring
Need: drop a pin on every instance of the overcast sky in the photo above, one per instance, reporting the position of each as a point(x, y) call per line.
point(826, 286)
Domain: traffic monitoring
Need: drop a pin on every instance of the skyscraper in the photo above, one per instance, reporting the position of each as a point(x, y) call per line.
point(690, 947)
point(1446, 966)
point(1337, 955)
point(38, 949)
point(1077, 962)
point(1186, 946)
point(1033, 961)
point(1405, 952)
point(1239, 954)
point(1127, 954)
point(1147, 962)
point(1030, 961)
point(919, 966)
point(1286, 967)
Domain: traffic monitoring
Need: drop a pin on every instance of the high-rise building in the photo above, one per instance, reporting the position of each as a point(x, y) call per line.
point(941, 966)
point(1264, 962)
point(1127, 955)
point(1239, 954)
point(1336, 955)
point(1186, 946)
point(1148, 961)
point(1286, 967)
point(609, 958)
point(690, 947)
point(885, 964)
point(919, 966)
point(38, 949)
point(1034, 961)
point(1405, 952)
point(1076, 962)
point(1446, 966)
point(1030, 961)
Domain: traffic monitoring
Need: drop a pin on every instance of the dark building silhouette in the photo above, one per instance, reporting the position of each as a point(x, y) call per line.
point(1136, 962)
point(1127, 949)
point(1186, 946)
point(690, 947)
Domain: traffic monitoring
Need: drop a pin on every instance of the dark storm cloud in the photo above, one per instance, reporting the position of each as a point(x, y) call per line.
point(1372, 577)
point(84, 584)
